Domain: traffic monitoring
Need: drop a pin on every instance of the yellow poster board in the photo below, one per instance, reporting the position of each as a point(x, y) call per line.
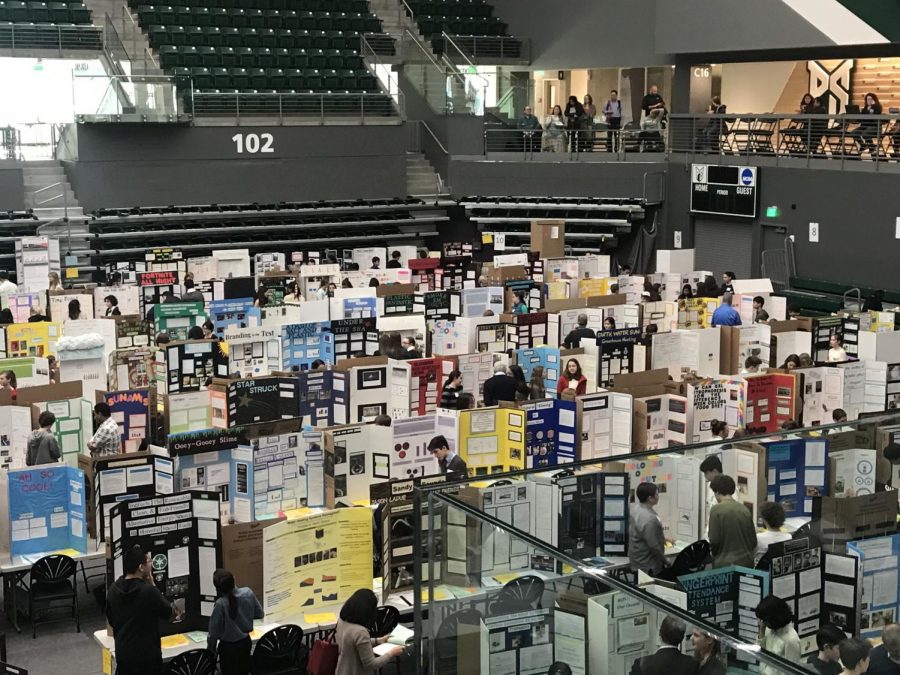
point(588, 288)
point(696, 312)
point(315, 562)
point(492, 440)
point(32, 339)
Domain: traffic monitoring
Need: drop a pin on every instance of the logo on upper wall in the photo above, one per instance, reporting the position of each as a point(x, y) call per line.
point(747, 176)
point(833, 86)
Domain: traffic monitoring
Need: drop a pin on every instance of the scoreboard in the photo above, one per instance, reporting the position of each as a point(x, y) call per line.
point(724, 190)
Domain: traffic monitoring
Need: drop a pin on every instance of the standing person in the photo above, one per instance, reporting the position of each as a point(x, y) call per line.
point(791, 362)
point(885, 658)
point(668, 659)
point(587, 134)
point(522, 390)
point(836, 352)
point(519, 305)
point(780, 638)
point(394, 263)
point(376, 263)
point(75, 313)
point(827, 661)
point(8, 382)
point(759, 314)
point(42, 445)
point(772, 516)
point(134, 608)
point(499, 387)
point(6, 286)
point(727, 283)
point(707, 652)
point(654, 106)
point(106, 440)
point(112, 306)
point(686, 292)
point(554, 138)
point(536, 388)
point(732, 534)
point(751, 365)
point(447, 459)
point(647, 543)
point(856, 656)
point(718, 429)
point(530, 126)
point(574, 117)
point(410, 350)
point(353, 640)
point(452, 389)
point(609, 323)
point(53, 280)
point(612, 111)
point(322, 290)
point(714, 128)
point(572, 378)
point(573, 339)
point(725, 314)
point(710, 467)
point(231, 624)
point(191, 294)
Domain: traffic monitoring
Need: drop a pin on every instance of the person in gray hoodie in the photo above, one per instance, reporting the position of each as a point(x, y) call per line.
point(42, 445)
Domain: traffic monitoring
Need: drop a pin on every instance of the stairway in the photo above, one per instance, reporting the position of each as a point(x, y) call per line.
point(49, 203)
point(132, 39)
point(393, 19)
point(421, 178)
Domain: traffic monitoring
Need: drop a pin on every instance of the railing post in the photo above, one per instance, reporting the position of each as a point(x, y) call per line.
point(280, 110)
point(878, 145)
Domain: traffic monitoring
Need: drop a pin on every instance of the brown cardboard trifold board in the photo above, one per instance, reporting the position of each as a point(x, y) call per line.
point(242, 552)
point(648, 383)
point(842, 519)
point(549, 237)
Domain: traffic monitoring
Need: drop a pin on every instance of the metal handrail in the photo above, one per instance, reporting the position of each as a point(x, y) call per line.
point(424, 49)
point(424, 124)
point(369, 54)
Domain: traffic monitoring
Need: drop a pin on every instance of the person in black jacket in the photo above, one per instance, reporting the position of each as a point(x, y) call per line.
point(574, 113)
point(500, 387)
point(134, 606)
point(573, 339)
point(394, 263)
point(447, 459)
point(668, 659)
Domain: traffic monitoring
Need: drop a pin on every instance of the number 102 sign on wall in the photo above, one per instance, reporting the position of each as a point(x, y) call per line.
point(253, 144)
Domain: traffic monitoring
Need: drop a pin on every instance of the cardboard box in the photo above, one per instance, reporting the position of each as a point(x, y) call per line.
point(242, 552)
point(843, 519)
point(648, 383)
point(499, 276)
point(549, 238)
point(556, 306)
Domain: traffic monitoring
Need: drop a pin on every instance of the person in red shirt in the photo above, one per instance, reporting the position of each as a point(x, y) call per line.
point(573, 378)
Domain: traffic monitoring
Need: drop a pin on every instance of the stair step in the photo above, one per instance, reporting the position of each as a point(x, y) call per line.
point(43, 172)
point(60, 212)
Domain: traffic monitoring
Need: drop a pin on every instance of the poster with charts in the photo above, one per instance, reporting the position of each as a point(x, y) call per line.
point(46, 509)
point(878, 559)
point(315, 561)
point(796, 472)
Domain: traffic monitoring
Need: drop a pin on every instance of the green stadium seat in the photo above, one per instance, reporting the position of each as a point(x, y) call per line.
point(147, 15)
point(228, 55)
point(213, 36)
point(299, 58)
point(294, 78)
point(348, 80)
point(366, 80)
point(276, 77)
point(334, 59)
point(233, 37)
point(282, 57)
point(265, 58)
point(249, 37)
point(165, 14)
point(175, 35)
point(312, 79)
point(237, 17)
point(59, 13)
point(246, 56)
point(201, 16)
point(190, 57)
point(194, 35)
point(239, 78)
point(218, 16)
point(39, 11)
point(290, 18)
point(258, 79)
point(221, 78)
point(323, 21)
point(268, 37)
point(307, 20)
point(272, 19)
point(182, 77)
point(182, 16)
point(317, 58)
point(158, 36)
point(17, 11)
point(209, 56)
point(169, 56)
point(201, 77)
point(331, 81)
point(255, 18)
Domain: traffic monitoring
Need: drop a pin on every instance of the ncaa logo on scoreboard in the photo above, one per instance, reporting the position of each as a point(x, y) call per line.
point(748, 176)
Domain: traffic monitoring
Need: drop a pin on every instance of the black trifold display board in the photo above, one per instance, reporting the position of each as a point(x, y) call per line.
point(182, 533)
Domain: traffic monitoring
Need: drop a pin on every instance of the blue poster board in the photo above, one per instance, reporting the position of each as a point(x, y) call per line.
point(878, 560)
point(797, 471)
point(303, 343)
point(234, 313)
point(47, 510)
point(548, 359)
point(550, 432)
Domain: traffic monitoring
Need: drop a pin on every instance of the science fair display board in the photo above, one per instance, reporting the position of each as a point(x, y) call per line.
point(46, 510)
point(131, 410)
point(585, 515)
point(15, 428)
point(605, 424)
point(233, 313)
point(715, 399)
point(551, 432)
point(518, 642)
point(121, 478)
point(187, 366)
point(678, 479)
point(545, 358)
point(771, 401)
point(303, 343)
point(727, 597)
point(316, 560)
point(289, 472)
point(797, 471)
point(353, 337)
point(878, 562)
point(823, 393)
point(616, 353)
point(492, 440)
point(361, 456)
point(253, 352)
point(182, 534)
point(796, 569)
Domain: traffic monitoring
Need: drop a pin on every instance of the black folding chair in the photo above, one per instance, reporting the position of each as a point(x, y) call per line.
point(523, 592)
point(52, 580)
point(194, 662)
point(280, 652)
point(386, 620)
point(692, 559)
point(447, 636)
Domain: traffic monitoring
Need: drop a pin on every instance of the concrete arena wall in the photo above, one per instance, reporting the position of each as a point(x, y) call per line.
point(125, 165)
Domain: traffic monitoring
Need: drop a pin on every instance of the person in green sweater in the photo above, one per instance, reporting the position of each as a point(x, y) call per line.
point(732, 534)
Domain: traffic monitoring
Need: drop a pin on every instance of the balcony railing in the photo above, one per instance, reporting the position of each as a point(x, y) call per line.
point(30, 37)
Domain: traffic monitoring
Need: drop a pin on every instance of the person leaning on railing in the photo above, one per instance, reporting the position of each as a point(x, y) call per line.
point(530, 126)
point(555, 131)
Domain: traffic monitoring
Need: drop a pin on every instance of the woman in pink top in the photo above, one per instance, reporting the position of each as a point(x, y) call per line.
point(573, 378)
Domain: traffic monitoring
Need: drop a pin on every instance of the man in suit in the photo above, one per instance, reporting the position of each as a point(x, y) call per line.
point(448, 460)
point(500, 387)
point(573, 339)
point(885, 658)
point(668, 658)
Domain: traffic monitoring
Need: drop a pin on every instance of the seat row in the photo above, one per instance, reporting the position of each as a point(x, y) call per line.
point(271, 102)
point(15, 35)
point(451, 7)
point(240, 17)
point(296, 79)
point(172, 56)
point(231, 36)
point(435, 25)
point(127, 212)
point(349, 6)
point(17, 11)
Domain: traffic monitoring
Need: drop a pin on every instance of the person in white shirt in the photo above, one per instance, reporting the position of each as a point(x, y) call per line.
point(772, 516)
point(780, 637)
point(6, 286)
point(751, 365)
point(836, 352)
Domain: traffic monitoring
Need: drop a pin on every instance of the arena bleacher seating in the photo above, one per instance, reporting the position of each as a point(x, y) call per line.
point(262, 46)
point(47, 25)
point(470, 23)
point(589, 220)
point(120, 233)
